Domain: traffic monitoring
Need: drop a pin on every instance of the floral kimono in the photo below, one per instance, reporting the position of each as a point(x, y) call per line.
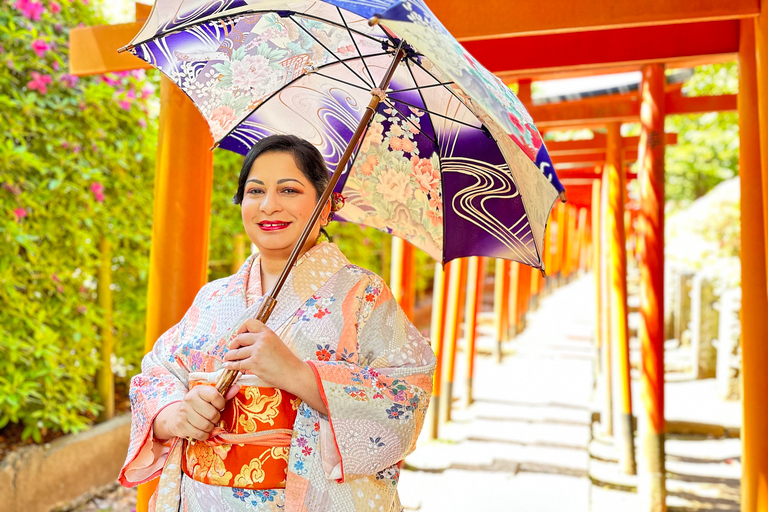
point(373, 369)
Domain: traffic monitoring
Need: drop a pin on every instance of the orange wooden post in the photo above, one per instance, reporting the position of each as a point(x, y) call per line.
point(596, 269)
point(605, 306)
point(458, 279)
point(562, 228)
point(754, 302)
point(178, 260)
point(523, 295)
point(501, 304)
point(618, 297)
point(548, 248)
point(535, 287)
point(514, 298)
point(401, 272)
point(475, 278)
point(583, 254)
point(439, 292)
point(651, 484)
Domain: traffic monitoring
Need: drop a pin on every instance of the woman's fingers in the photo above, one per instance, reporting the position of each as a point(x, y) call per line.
point(211, 395)
point(200, 422)
point(231, 392)
point(243, 340)
point(251, 325)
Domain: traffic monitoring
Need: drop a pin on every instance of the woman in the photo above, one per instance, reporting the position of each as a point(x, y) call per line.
point(334, 387)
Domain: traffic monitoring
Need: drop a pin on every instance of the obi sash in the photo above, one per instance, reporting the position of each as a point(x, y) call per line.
point(249, 447)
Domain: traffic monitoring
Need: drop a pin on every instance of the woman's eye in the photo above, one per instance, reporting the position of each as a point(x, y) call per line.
point(254, 191)
point(290, 191)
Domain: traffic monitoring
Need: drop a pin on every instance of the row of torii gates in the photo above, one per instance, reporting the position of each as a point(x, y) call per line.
point(521, 42)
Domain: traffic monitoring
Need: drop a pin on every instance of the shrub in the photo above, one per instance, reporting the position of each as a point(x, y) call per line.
point(73, 170)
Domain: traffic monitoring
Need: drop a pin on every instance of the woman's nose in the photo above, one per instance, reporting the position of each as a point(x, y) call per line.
point(271, 203)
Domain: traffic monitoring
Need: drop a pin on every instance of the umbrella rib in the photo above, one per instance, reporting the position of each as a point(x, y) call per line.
point(372, 85)
point(405, 118)
point(438, 82)
point(366, 89)
point(420, 87)
point(355, 43)
point(454, 120)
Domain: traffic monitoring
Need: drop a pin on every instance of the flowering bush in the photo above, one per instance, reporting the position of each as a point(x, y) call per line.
point(72, 170)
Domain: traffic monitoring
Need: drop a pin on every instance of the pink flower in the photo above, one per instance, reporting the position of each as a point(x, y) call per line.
point(55, 278)
point(20, 213)
point(82, 309)
point(13, 189)
point(396, 144)
point(39, 82)
point(98, 191)
point(147, 90)
point(425, 174)
point(30, 10)
point(130, 94)
point(40, 47)
point(55, 8)
point(55, 65)
point(65, 145)
point(76, 148)
point(142, 122)
point(139, 74)
point(69, 80)
point(124, 104)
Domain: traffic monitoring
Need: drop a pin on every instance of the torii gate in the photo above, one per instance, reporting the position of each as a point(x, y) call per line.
point(571, 38)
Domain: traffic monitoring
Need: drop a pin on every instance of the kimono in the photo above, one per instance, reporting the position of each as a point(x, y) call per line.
point(373, 370)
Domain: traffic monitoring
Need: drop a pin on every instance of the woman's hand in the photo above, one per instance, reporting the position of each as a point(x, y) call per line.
point(194, 416)
point(258, 350)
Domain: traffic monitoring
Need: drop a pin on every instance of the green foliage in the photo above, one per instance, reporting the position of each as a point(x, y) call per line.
point(73, 169)
point(707, 150)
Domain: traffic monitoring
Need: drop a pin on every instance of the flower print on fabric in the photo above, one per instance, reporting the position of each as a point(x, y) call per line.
point(315, 308)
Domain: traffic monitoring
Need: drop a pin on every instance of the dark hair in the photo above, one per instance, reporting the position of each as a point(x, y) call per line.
point(307, 157)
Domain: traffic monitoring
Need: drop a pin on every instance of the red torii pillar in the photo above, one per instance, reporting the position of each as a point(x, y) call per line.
point(403, 275)
point(457, 282)
point(437, 328)
point(651, 483)
point(605, 308)
point(475, 279)
point(617, 271)
point(501, 304)
point(753, 129)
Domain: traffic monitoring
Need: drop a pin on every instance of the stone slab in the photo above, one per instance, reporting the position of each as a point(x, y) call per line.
point(40, 478)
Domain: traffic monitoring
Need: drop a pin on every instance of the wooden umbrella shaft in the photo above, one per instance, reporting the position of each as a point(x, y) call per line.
point(270, 300)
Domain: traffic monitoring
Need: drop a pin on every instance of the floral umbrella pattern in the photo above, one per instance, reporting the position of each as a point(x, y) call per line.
point(450, 150)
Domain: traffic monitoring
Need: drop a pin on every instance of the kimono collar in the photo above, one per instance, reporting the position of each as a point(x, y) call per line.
point(311, 271)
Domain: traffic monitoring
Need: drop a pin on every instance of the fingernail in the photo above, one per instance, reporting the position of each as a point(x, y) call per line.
point(226, 365)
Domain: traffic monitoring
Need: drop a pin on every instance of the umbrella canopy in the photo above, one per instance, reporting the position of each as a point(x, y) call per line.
point(451, 161)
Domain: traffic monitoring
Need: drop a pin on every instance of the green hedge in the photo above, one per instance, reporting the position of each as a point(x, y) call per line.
point(72, 170)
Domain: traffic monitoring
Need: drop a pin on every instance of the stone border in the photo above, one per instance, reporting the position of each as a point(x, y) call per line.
point(40, 478)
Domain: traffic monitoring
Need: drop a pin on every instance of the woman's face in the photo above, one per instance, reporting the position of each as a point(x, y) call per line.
point(277, 203)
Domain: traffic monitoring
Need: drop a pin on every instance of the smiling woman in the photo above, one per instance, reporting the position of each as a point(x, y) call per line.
point(334, 387)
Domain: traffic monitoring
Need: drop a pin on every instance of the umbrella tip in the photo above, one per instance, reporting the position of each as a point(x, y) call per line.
point(562, 197)
point(125, 48)
point(373, 21)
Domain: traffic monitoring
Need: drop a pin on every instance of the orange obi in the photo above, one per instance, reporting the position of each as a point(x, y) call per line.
point(249, 447)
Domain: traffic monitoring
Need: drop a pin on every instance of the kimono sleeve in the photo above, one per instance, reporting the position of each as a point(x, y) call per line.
point(376, 408)
point(162, 382)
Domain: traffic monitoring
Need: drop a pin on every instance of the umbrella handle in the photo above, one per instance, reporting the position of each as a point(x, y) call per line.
point(270, 300)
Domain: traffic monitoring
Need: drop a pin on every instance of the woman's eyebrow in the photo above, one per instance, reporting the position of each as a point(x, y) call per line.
point(258, 182)
point(284, 180)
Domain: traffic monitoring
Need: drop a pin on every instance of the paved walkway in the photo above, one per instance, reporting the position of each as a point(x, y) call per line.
point(522, 445)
